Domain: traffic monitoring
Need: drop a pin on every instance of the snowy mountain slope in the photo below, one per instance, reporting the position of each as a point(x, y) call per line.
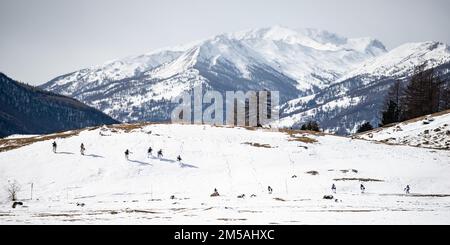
point(294, 62)
point(235, 161)
point(87, 79)
point(432, 131)
point(401, 61)
point(359, 96)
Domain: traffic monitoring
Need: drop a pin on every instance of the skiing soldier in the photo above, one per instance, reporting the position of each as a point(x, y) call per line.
point(127, 153)
point(160, 154)
point(149, 151)
point(54, 146)
point(333, 188)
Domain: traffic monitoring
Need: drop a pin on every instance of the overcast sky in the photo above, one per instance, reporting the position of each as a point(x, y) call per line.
point(40, 40)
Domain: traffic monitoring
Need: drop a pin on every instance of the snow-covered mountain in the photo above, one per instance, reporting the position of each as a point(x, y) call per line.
point(295, 62)
point(103, 187)
point(26, 109)
point(319, 74)
point(359, 95)
point(401, 61)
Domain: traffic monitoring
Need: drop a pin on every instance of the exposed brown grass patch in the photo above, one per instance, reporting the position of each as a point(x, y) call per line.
point(42, 215)
point(279, 199)
point(292, 132)
point(229, 219)
point(258, 145)
point(359, 179)
point(349, 170)
point(141, 211)
point(300, 136)
point(313, 173)
point(127, 127)
point(303, 139)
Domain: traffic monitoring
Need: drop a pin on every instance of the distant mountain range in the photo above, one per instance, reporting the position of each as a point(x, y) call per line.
point(335, 80)
point(359, 95)
point(29, 110)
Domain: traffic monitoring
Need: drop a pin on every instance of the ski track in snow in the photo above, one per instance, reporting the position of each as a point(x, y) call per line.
point(137, 191)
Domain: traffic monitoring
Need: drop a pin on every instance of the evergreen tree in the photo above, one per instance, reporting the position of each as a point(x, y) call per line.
point(426, 93)
point(423, 94)
point(365, 127)
point(311, 126)
point(391, 114)
point(445, 97)
point(393, 108)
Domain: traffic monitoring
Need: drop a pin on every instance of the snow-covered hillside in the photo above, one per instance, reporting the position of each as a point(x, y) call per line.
point(432, 131)
point(104, 187)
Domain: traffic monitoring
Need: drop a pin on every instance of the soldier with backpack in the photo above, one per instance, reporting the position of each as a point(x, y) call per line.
point(127, 153)
point(333, 188)
point(407, 189)
point(215, 193)
point(149, 152)
point(54, 145)
point(363, 188)
point(160, 154)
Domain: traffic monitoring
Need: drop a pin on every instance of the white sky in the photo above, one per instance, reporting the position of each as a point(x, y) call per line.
point(40, 40)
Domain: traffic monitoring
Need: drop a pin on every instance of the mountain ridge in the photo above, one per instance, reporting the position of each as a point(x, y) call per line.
point(298, 63)
point(30, 110)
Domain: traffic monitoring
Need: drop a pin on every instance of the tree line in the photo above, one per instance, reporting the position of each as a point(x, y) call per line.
point(426, 93)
